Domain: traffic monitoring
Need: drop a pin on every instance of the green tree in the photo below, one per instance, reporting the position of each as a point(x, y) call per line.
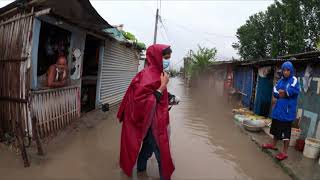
point(181, 70)
point(294, 27)
point(187, 66)
point(202, 58)
point(129, 36)
point(173, 72)
point(275, 30)
point(132, 37)
point(311, 19)
point(252, 38)
point(287, 26)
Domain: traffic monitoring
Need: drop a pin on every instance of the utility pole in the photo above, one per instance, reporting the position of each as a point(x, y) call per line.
point(156, 28)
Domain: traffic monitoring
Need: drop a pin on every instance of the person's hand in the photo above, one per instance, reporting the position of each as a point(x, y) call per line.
point(282, 93)
point(164, 78)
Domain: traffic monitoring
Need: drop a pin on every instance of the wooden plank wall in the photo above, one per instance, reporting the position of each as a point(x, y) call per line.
point(15, 49)
point(54, 109)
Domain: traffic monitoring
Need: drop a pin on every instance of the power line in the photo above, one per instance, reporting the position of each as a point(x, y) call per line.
point(163, 36)
point(160, 18)
point(208, 40)
point(160, 9)
point(165, 29)
point(185, 28)
point(162, 25)
point(178, 62)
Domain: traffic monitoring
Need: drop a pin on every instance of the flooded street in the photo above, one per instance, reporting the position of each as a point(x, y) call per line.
point(205, 145)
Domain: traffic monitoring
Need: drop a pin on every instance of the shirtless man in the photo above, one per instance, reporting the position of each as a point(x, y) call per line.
point(57, 73)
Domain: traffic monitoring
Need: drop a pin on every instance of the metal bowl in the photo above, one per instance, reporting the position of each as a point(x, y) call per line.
point(253, 125)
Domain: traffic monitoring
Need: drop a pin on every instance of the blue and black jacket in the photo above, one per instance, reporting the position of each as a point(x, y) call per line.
point(285, 108)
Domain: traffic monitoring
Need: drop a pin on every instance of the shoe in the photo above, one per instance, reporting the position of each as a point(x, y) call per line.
point(281, 156)
point(269, 146)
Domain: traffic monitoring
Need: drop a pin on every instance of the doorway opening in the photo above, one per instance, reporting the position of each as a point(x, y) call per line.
point(90, 73)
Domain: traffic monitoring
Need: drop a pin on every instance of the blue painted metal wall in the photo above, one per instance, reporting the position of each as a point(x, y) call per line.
point(243, 82)
point(263, 95)
point(238, 79)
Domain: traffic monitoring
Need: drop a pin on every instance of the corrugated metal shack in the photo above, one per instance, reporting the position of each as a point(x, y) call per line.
point(221, 77)
point(254, 80)
point(32, 34)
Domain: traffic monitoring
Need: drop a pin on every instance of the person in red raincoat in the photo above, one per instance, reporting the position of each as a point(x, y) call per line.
point(145, 117)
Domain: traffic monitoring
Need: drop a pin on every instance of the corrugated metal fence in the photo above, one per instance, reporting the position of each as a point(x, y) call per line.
point(119, 66)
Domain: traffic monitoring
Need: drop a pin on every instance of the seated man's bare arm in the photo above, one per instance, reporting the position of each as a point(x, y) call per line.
point(51, 78)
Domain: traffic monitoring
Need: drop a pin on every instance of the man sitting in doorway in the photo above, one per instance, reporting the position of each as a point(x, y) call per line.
point(57, 73)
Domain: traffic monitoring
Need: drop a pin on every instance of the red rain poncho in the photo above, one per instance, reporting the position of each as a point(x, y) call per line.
point(139, 111)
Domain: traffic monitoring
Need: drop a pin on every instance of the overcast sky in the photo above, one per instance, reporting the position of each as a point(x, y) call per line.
point(185, 23)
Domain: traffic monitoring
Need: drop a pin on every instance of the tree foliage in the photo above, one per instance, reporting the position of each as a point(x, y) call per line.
point(173, 72)
point(131, 37)
point(199, 60)
point(203, 57)
point(287, 26)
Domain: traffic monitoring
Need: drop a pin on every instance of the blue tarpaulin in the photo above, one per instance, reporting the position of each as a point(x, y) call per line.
point(263, 95)
point(243, 82)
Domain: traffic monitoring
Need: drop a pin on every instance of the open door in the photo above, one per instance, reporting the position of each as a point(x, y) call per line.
point(264, 91)
point(90, 74)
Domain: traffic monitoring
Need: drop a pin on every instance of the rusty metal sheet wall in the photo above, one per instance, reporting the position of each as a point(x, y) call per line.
point(54, 109)
point(15, 51)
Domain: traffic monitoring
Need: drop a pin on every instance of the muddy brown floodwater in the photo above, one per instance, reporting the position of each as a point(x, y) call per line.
point(205, 145)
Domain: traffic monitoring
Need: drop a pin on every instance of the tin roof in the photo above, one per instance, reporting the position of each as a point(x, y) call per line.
point(78, 12)
point(313, 56)
point(310, 54)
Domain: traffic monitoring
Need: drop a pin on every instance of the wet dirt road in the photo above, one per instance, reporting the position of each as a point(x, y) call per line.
point(205, 145)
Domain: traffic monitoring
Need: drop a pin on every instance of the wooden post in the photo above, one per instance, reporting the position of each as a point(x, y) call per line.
point(35, 134)
point(1, 127)
point(20, 140)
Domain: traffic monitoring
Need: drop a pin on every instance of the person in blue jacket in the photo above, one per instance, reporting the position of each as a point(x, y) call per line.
point(286, 92)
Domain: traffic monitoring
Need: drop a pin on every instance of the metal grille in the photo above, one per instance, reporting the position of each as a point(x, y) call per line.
point(119, 66)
